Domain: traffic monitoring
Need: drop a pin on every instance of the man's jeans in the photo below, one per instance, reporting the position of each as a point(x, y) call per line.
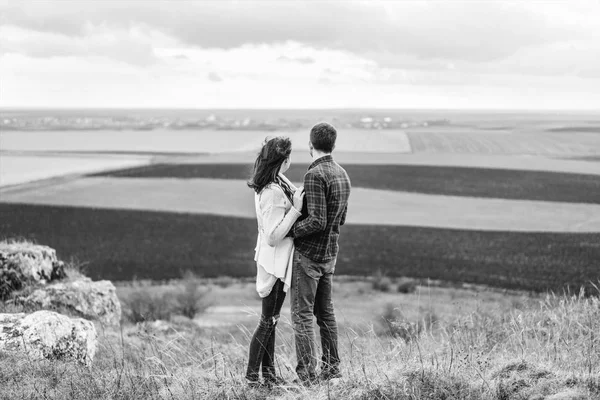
point(311, 295)
point(262, 346)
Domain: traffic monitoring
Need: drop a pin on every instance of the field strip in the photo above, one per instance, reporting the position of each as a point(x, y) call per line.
point(122, 244)
point(450, 181)
point(15, 170)
point(367, 206)
point(491, 143)
point(194, 141)
point(514, 162)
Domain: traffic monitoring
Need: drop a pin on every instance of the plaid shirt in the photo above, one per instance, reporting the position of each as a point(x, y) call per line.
point(327, 188)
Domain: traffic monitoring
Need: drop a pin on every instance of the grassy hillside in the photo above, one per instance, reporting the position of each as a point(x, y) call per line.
point(122, 244)
point(455, 181)
point(536, 351)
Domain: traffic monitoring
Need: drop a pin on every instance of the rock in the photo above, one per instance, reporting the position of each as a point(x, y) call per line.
point(569, 394)
point(35, 262)
point(46, 334)
point(82, 298)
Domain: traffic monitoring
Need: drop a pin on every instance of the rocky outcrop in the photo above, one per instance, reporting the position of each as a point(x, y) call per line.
point(34, 262)
point(49, 335)
point(569, 394)
point(83, 298)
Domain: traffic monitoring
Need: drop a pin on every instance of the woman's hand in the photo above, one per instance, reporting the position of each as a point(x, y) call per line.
point(299, 198)
point(286, 180)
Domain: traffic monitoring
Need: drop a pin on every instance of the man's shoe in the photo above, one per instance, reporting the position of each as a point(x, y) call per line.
point(272, 381)
point(307, 382)
point(254, 384)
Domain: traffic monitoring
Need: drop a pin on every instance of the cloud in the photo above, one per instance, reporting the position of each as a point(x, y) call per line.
point(336, 48)
point(457, 30)
point(131, 46)
point(214, 77)
point(299, 60)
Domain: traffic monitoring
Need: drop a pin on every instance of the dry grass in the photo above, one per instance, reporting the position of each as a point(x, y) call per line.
point(530, 350)
point(18, 245)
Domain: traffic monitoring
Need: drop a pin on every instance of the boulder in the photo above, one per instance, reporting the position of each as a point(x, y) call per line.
point(34, 262)
point(569, 394)
point(82, 298)
point(48, 335)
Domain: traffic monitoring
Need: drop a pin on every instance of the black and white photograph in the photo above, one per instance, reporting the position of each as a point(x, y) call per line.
point(300, 199)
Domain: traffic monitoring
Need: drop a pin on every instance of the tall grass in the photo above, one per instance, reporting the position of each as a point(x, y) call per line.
point(529, 352)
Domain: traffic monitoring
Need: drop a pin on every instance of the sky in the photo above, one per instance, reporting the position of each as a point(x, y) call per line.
point(494, 54)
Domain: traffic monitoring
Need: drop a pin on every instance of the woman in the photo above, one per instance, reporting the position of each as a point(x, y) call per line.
point(278, 205)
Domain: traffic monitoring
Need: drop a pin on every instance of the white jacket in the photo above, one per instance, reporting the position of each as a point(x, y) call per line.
point(274, 252)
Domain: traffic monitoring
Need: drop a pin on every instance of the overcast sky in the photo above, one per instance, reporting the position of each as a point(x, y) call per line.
point(285, 54)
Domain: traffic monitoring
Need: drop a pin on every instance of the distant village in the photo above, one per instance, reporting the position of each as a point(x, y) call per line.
point(212, 121)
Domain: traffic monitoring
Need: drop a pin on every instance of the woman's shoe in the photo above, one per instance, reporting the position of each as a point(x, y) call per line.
point(254, 384)
point(328, 375)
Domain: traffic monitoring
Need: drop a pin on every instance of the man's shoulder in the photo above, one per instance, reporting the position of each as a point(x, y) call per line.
point(327, 172)
point(340, 168)
point(340, 172)
point(316, 172)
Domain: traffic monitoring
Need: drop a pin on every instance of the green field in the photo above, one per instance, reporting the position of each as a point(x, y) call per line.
point(454, 181)
point(123, 244)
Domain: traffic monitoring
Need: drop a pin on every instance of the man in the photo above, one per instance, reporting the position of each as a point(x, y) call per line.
point(327, 188)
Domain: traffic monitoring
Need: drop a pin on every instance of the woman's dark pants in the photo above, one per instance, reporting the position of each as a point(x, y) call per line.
point(262, 346)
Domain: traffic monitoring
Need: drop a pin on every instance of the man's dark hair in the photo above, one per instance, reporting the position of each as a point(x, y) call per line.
point(323, 136)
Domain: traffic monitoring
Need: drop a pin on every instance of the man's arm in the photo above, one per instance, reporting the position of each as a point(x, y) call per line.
point(343, 220)
point(316, 203)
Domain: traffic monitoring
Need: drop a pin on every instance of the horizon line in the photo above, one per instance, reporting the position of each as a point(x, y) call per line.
point(482, 109)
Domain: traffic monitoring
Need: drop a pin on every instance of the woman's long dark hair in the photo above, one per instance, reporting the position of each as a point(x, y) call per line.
point(266, 167)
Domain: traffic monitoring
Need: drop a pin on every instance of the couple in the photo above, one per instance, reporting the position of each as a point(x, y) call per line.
point(297, 247)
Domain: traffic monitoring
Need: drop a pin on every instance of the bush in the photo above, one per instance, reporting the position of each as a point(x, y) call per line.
point(407, 287)
point(58, 271)
point(224, 281)
point(192, 299)
point(399, 326)
point(11, 278)
point(145, 304)
point(381, 282)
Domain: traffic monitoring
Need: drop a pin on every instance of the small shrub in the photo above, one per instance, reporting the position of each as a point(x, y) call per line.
point(192, 299)
point(224, 281)
point(381, 282)
point(74, 268)
point(399, 326)
point(407, 287)
point(58, 271)
point(11, 278)
point(146, 304)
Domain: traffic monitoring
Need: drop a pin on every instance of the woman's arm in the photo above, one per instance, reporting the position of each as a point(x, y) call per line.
point(276, 222)
point(316, 203)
